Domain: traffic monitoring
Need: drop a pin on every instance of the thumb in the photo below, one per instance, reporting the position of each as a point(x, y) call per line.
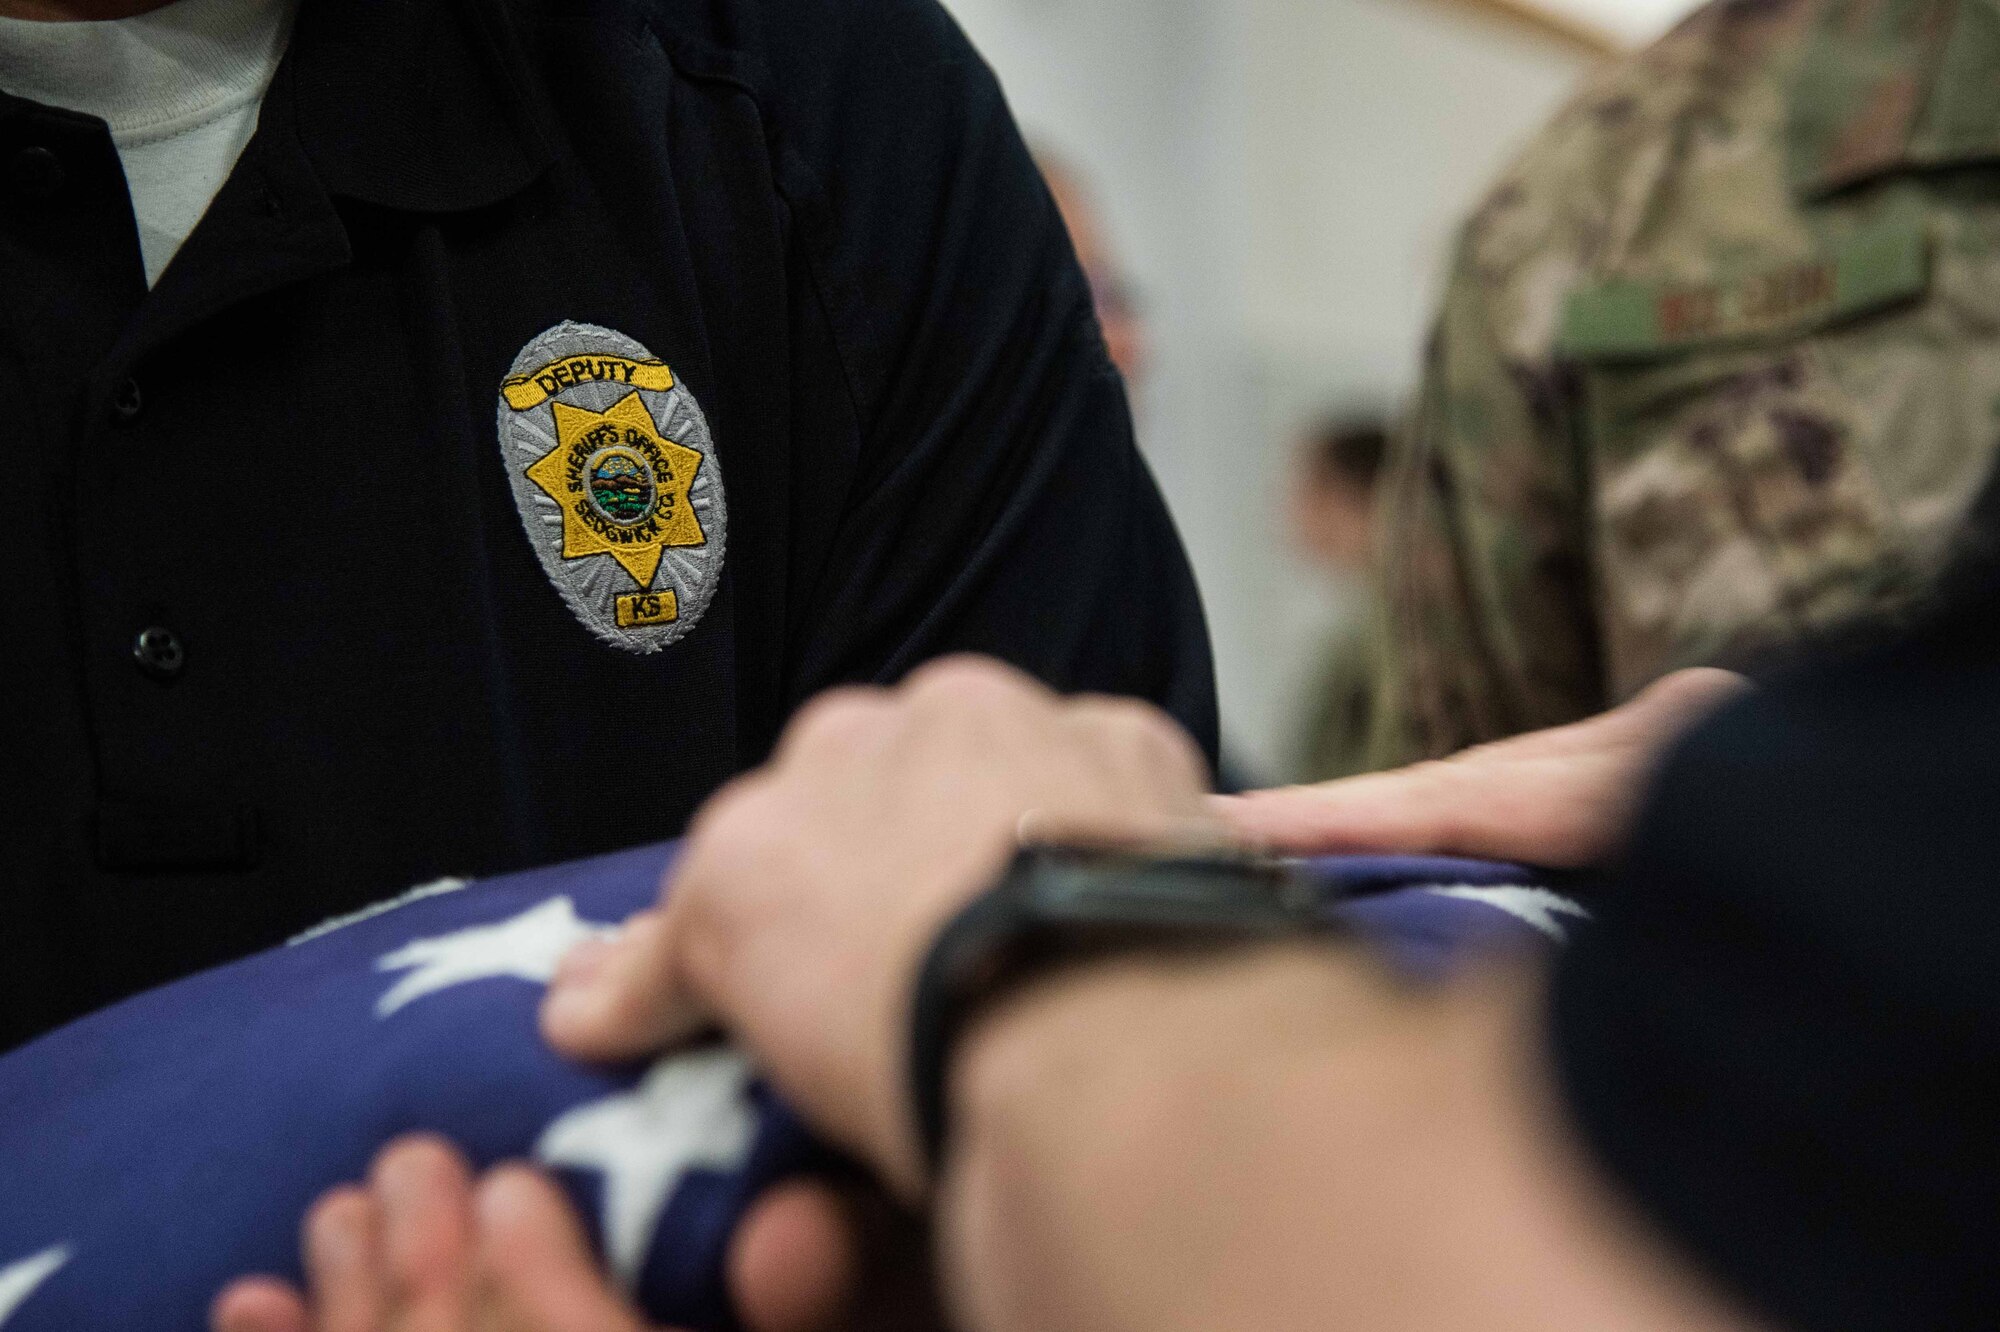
point(621, 997)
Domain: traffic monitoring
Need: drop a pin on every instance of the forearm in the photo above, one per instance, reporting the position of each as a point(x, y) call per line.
point(1126, 1146)
point(1281, 1140)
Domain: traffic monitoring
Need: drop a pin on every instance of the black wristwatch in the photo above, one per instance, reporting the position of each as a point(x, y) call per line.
point(1060, 905)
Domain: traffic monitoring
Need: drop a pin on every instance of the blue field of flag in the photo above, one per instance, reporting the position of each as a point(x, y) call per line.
point(154, 1151)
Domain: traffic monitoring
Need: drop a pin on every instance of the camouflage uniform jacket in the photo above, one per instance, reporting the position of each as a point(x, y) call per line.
point(1718, 366)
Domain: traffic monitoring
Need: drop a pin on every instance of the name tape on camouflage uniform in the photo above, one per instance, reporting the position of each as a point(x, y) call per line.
point(615, 476)
point(1634, 318)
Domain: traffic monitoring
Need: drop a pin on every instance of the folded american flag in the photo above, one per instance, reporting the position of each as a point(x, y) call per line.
point(153, 1151)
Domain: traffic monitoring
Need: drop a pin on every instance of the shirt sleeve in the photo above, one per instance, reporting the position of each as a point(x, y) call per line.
point(1488, 623)
point(1782, 1035)
point(997, 503)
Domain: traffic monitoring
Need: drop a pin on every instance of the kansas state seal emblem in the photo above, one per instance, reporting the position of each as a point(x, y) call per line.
point(617, 482)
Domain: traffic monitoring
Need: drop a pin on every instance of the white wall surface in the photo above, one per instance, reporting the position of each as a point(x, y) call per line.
point(1280, 178)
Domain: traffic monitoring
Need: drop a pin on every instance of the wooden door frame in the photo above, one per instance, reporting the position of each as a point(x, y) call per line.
point(1565, 31)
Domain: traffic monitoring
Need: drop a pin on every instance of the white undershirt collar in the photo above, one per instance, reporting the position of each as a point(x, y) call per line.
point(152, 76)
point(181, 89)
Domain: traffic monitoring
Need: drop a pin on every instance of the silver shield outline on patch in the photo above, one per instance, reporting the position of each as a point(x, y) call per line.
point(591, 585)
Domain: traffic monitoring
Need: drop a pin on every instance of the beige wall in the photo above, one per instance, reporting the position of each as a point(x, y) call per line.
point(1282, 176)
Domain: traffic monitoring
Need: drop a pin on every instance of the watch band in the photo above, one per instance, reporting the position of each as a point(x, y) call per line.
point(1057, 906)
point(937, 1019)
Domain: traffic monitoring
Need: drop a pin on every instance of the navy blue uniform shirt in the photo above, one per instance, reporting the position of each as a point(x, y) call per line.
point(1781, 1038)
point(557, 394)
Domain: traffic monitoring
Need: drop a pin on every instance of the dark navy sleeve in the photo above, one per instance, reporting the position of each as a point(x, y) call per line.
point(1782, 1036)
point(997, 503)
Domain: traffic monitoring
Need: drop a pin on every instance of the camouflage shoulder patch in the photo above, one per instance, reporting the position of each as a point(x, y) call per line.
point(1867, 77)
point(618, 486)
point(1631, 319)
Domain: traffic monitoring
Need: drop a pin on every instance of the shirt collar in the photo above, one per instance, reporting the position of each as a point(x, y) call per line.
point(1895, 85)
point(155, 74)
point(420, 105)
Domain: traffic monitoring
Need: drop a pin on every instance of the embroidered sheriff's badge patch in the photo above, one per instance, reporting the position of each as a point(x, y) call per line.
point(617, 482)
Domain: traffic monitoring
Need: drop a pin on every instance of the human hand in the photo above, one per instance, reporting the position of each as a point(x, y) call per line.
point(1562, 798)
point(807, 893)
point(423, 1247)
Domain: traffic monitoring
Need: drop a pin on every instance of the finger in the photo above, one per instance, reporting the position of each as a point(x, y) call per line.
point(793, 1265)
point(1557, 797)
point(1674, 704)
point(258, 1304)
point(846, 716)
point(816, 1255)
point(536, 1270)
point(622, 997)
point(1396, 811)
point(1202, 832)
point(952, 678)
point(344, 1262)
point(1656, 714)
point(1553, 812)
point(423, 1189)
point(1151, 757)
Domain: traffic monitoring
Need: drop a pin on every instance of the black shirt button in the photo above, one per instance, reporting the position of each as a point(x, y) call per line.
point(36, 173)
point(159, 653)
point(127, 402)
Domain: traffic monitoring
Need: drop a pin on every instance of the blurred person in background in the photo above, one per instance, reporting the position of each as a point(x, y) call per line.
point(1331, 504)
point(1119, 315)
point(1110, 291)
point(1717, 369)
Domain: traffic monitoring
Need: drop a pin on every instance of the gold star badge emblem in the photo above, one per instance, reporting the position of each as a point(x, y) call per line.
point(617, 482)
point(621, 485)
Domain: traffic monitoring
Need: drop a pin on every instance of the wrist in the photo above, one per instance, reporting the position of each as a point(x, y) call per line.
point(1056, 910)
point(1083, 1100)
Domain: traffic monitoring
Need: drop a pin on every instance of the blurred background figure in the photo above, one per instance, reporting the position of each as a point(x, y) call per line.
point(1333, 494)
point(1700, 389)
point(1117, 307)
point(1332, 511)
point(1660, 287)
point(1125, 341)
point(1282, 180)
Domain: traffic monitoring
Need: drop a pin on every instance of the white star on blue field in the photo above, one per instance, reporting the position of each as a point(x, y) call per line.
point(20, 1280)
point(1536, 906)
point(690, 1112)
point(527, 947)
